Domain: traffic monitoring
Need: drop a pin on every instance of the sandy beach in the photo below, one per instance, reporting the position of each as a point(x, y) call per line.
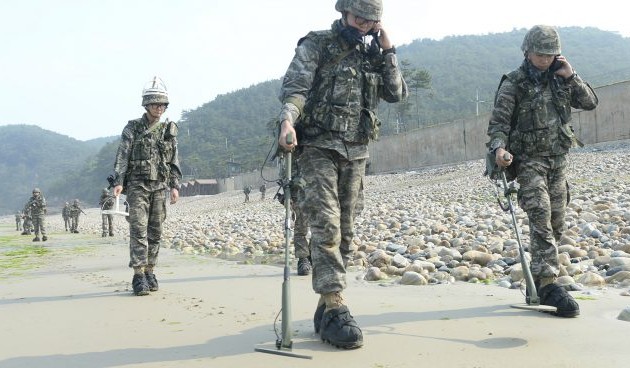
point(72, 307)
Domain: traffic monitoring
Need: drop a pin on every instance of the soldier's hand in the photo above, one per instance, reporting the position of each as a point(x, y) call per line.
point(174, 195)
point(117, 190)
point(285, 129)
point(503, 158)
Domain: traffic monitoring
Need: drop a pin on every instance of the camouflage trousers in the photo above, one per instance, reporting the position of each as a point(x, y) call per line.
point(300, 226)
point(108, 224)
point(66, 222)
point(74, 222)
point(18, 224)
point(147, 211)
point(330, 197)
point(39, 225)
point(543, 196)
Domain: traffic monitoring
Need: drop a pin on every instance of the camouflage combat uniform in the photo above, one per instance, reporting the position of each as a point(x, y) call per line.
point(27, 226)
point(37, 208)
point(335, 88)
point(146, 165)
point(18, 221)
point(74, 212)
point(106, 202)
point(65, 214)
point(531, 119)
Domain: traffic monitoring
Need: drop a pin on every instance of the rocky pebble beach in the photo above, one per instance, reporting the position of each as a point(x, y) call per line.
point(429, 226)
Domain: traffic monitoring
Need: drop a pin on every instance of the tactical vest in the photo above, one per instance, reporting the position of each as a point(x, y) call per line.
point(541, 117)
point(150, 153)
point(344, 95)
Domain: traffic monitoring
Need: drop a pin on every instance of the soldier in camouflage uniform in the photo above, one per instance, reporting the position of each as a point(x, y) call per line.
point(530, 131)
point(18, 221)
point(74, 212)
point(330, 94)
point(106, 202)
point(27, 226)
point(246, 191)
point(65, 214)
point(147, 164)
point(37, 208)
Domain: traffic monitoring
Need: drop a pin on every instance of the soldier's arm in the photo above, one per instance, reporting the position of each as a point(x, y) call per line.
point(500, 120)
point(123, 155)
point(394, 87)
point(582, 95)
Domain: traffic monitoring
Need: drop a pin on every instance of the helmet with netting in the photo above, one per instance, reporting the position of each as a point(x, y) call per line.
point(154, 92)
point(367, 9)
point(542, 40)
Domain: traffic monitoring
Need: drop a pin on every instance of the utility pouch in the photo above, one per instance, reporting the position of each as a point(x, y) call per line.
point(171, 130)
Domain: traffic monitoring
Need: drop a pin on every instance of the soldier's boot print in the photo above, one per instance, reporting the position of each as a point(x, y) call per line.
point(304, 266)
point(338, 327)
point(151, 280)
point(140, 284)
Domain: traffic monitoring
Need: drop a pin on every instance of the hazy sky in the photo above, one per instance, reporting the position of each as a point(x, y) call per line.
point(77, 67)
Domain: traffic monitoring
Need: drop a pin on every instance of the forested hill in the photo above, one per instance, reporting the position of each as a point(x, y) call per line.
point(33, 157)
point(463, 71)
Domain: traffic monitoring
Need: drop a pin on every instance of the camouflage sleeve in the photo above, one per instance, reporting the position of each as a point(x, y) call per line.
point(394, 86)
point(175, 171)
point(123, 155)
point(298, 79)
point(582, 95)
point(501, 118)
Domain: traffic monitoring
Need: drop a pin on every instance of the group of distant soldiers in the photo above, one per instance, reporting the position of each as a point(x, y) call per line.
point(248, 189)
point(70, 214)
point(31, 220)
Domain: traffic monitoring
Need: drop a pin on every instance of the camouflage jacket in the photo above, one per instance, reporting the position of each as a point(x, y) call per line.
point(334, 90)
point(147, 156)
point(532, 118)
point(37, 206)
point(106, 201)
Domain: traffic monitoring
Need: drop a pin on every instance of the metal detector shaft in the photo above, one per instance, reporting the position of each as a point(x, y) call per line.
point(286, 284)
point(529, 280)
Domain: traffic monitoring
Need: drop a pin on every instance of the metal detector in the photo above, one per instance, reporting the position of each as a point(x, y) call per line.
point(532, 301)
point(284, 342)
point(116, 210)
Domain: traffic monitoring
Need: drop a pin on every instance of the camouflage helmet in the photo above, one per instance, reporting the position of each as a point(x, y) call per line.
point(368, 9)
point(542, 40)
point(154, 92)
point(36, 190)
point(105, 191)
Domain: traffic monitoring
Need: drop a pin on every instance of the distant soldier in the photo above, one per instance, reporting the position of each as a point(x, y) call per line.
point(37, 206)
point(263, 190)
point(107, 203)
point(18, 221)
point(65, 213)
point(75, 211)
point(247, 190)
point(27, 226)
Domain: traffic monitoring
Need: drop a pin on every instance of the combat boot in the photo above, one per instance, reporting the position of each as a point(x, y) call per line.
point(111, 233)
point(36, 239)
point(44, 238)
point(319, 313)
point(338, 327)
point(103, 235)
point(140, 284)
point(151, 281)
point(557, 296)
point(304, 266)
